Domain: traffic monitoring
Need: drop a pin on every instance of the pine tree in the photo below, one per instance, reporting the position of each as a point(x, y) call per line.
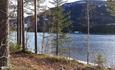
point(60, 22)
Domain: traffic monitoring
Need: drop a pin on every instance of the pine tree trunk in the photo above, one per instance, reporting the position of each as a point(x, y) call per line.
point(35, 18)
point(3, 32)
point(20, 25)
point(23, 29)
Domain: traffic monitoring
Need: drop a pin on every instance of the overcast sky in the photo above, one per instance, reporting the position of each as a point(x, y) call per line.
point(47, 4)
point(50, 5)
point(68, 1)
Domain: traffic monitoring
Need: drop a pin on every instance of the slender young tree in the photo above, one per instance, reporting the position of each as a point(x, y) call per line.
point(35, 21)
point(60, 22)
point(4, 33)
point(90, 8)
point(88, 29)
point(44, 30)
point(43, 37)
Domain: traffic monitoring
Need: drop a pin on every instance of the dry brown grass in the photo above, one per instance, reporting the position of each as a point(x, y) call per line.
point(24, 61)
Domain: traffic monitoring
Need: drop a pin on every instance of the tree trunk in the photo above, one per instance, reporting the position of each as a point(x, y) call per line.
point(23, 29)
point(3, 32)
point(35, 18)
point(57, 44)
point(43, 37)
point(20, 25)
point(88, 30)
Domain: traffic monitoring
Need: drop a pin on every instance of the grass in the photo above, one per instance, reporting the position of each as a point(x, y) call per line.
point(30, 61)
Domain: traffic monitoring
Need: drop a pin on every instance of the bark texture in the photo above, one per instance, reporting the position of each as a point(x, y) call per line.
point(3, 32)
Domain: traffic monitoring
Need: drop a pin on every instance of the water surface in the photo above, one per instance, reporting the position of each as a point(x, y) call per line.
point(77, 43)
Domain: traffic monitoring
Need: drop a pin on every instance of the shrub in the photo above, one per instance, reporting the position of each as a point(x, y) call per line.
point(14, 47)
point(100, 60)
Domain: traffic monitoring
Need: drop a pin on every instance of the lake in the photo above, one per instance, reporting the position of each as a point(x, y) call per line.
point(77, 44)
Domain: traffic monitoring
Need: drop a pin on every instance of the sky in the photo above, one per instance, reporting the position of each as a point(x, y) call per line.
point(48, 4)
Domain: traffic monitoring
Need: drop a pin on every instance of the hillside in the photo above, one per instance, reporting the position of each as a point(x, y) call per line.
point(27, 61)
point(100, 19)
point(24, 61)
point(101, 22)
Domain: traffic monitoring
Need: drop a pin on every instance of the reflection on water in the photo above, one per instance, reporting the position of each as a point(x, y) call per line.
point(99, 44)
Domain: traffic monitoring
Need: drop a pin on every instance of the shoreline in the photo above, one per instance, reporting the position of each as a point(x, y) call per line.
point(84, 62)
point(79, 61)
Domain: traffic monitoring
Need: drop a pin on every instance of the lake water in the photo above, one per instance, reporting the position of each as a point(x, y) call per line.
point(99, 44)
